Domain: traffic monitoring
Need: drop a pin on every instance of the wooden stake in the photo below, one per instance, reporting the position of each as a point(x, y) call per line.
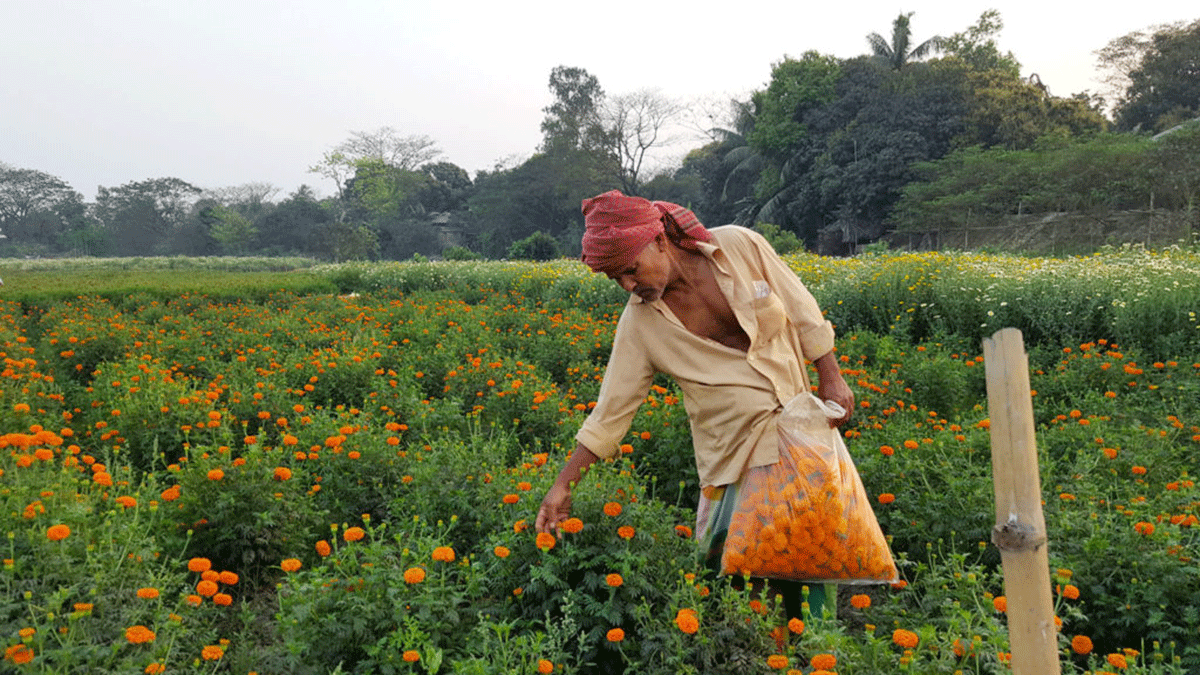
point(1020, 531)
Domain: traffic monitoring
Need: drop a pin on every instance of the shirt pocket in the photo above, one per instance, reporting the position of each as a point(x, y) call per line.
point(768, 314)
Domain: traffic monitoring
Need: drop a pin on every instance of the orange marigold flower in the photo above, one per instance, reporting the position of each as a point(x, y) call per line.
point(625, 532)
point(139, 634)
point(860, 601)
point(414, 575)
point(215, 474)
point(1070, 592)
point(612, 509)
point(905, 638)
point(411, 655)
point(1081, 644)
point(19, 653)
point(290, 564)
point(228, 578)
point(1117, 661)
point(155, 668)
point(545, 541)
point(323, 548)
point(58, 532)
point(911, 444)
point(1144, 528)
point(126, 501)
point(194, 600)
point(353, 534)
point(887, 498)
point(511, 498)
point(282, 473)
point(796, 626)
point(170, 494)
point(210, 575)
point(777, 661)
point(147, 593)
point(501, 552)
point(614, 580)
point(222, 599)
point(823, 662)
point(572, 525)
point(212, 652)
point(545, 667)
point(1000, 603)
point(199, 564)
point(687, 621)
point(207, 588)
point(683, 531)
point(887, 450)
point(1139, 470)
point(443, 554)
point(615, 635)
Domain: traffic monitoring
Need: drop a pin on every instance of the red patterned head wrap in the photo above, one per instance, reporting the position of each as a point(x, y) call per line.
point(619, 227)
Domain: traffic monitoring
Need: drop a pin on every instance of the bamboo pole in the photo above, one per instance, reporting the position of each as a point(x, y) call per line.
point(1020, 531)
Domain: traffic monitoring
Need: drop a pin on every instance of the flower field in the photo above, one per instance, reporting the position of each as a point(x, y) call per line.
point(298, 481)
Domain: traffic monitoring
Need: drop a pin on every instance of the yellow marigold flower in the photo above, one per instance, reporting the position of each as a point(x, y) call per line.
point(823, 662)
point(411, 655)
point(414, 575)
point(1081, 644)
point(353, 534)
point(443, 554)
point(777, 661)
point(323, 548)
point(290, 564)
point(147, 593)
point(612, 509)
point(212, 653)
point(860, 601)
point(545, 541)
point(545, 667)
point(615, 635)
point(58, 532)
point(139, 634)
point(614, 580)
point(572, 525)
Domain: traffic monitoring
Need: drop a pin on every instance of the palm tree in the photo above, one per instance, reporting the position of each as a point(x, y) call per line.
point(897, 52)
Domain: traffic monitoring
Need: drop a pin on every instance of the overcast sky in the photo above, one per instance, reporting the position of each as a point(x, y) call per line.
point(226, 92)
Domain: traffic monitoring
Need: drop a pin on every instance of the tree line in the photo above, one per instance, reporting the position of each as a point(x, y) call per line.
point(829, 154)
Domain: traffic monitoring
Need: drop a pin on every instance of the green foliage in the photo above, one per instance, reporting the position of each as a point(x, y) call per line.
point(781, 240)
point(459, 253)
point(537, 246)
point(1162, 92)
point(796, 87)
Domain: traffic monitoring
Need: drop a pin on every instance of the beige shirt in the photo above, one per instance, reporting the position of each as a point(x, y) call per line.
point(732, 397)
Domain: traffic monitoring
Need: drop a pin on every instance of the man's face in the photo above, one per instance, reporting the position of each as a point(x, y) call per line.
point(648, 274)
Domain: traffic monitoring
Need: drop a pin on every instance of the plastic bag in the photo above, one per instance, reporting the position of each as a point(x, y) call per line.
point(807, 517)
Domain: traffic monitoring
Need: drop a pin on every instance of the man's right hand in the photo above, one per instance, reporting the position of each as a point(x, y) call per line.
point(555, 508)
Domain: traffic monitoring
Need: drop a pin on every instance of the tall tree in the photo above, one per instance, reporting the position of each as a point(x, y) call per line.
point(33, 209)
point(1164, 87)
point(572, 121)
point(635, 123)
point(976, 46)
point(384, 145)
point(143, 216)
point(899, 51)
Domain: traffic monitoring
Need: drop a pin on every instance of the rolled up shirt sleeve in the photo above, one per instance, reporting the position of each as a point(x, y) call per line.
point(627, 380)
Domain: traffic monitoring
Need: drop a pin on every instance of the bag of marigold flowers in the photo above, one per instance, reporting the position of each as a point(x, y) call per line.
point(806, 517)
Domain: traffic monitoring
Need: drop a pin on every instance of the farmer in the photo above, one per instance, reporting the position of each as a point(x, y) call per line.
point(722, 314)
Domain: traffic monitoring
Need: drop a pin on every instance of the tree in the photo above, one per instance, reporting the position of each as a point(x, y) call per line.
point(977, 48)
point(898, 51)
point(635, 123)
point(34, 208)
point(447, 189)
point(142, 216)
point(1164, 87)
point(572, 121)
point(384, 145)
point(232, 231)
point(293, 226)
